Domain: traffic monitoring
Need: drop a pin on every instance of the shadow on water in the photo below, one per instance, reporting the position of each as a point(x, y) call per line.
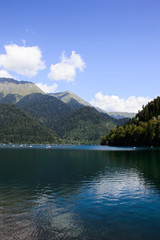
point(65, 194)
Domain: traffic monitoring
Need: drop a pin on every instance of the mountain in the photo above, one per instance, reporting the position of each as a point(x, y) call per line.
point(17, 126)
point(12, 90)
point(76, 102)
point(10, 98)
point(143, 130)
point(71, 99)
point(68, 116)
point(117, 121)
point(120, 115)
point(83, 125)
point(47, 109)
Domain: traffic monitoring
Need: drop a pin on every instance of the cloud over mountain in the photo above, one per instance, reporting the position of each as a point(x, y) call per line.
point(67, 68)
point(47, 89)
point(5, 74)
point(22, 60)
point(115, 103)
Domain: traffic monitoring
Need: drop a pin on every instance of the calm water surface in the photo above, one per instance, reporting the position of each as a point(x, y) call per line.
point(79, 192)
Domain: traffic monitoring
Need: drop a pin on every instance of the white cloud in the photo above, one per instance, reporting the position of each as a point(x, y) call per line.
point(22, 60)
point(47, 89)
point(66, 69)
point(5, 74)
point(116, 104)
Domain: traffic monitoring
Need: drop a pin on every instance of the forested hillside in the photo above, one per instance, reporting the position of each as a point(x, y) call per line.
point(82, 126)
point(143, 130)
point(152, 109)
point(10, 98)
point(47, 109)
point(17, 126)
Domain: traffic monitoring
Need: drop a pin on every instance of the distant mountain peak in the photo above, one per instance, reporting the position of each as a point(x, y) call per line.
point(68, 91)
point(77, 102)
point(71, 99)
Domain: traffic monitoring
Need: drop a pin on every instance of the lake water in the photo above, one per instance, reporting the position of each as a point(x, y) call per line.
point(79, 192)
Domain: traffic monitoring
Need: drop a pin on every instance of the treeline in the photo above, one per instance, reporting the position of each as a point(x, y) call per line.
point(152, 109)
point(143, 130)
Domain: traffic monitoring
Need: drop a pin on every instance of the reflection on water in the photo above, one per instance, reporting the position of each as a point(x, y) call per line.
point(77, 194)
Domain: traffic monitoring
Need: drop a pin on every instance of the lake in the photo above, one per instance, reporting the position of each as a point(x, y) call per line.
point(79, 192)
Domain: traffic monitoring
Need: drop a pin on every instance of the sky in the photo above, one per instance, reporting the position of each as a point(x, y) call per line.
point(105, 51)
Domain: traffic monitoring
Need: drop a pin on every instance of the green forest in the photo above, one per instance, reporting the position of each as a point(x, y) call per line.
point(143, 130)
point(73, 126)
point(17, 126)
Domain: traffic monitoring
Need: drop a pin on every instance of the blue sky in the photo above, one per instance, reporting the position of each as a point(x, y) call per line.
point(109, 49)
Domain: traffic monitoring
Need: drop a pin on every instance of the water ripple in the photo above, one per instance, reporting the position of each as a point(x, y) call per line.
point(47, 195)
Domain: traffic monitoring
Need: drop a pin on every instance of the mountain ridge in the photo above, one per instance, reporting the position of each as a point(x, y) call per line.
point(71, 99)
point(18, 88)
point(120, 115)
point(76, 102)
point(12, 80)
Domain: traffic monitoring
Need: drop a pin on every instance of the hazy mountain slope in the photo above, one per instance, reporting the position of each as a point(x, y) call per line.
point(17, 88)
point(17, 126)
point(119, 115)
point(71, 99)
point(47, 109)
point(120, 121)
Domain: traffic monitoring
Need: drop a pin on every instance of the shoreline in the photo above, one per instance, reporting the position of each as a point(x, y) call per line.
point(73, 147)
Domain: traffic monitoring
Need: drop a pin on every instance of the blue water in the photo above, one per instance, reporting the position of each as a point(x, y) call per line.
point(74, 147)
point(79, 192)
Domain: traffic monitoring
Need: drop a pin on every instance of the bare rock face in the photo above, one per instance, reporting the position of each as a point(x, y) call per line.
point(12, 90)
